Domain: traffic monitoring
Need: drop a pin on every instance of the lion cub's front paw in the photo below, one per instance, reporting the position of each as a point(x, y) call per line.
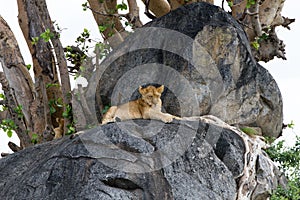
point(167, 118)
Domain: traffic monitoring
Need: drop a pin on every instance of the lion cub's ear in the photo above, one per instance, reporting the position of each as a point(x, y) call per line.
point(141, 90)
point(160, 89)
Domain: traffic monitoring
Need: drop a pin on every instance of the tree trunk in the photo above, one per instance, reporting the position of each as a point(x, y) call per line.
point(16, 84)
point(61, 62)
point(44, 58)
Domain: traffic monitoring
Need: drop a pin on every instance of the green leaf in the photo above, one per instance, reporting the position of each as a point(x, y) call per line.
point(52, 110)
point(105, 109)
point(19, 111)
point(34, 40)
point(9, 133)
point(59, 103)
point(71, 130)
point(84, 6)
point(34, 138)
point(47, 35)
point(291, 124)
point(48, 85)
point(121, 6)
point(250, 3)
point(2, 108)
point(82, 68)
point(255, 45)
point(28, 66)
point(102, 28)
point(68, 112)
point(2, 96)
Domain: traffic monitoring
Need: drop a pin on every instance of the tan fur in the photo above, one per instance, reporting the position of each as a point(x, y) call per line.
point(59, 131)
point(146, 107)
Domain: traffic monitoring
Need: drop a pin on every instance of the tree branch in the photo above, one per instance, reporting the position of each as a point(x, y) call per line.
point(133, 16)
point(107, 14)
point(255, 19)
point(104, 12)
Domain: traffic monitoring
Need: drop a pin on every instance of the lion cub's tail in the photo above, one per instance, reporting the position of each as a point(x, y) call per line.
point(109, 116)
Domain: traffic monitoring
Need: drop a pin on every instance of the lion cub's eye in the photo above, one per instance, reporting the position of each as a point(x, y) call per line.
point(150, 96)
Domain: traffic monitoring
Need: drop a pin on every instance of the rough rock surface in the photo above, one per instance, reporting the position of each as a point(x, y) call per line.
point(138, 159)
point(201, 54)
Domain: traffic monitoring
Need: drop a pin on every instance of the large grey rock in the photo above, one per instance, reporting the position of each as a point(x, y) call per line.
point(202, 56)
point(138, 159)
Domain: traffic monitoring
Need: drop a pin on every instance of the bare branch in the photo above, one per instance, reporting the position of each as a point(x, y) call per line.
point(287, 21)
point(133, 15)
point(255, 18)
point(107, 14)
point(4, 154)
point(14, 147)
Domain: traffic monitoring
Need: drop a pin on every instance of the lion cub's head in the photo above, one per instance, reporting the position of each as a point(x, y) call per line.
point(151, 95)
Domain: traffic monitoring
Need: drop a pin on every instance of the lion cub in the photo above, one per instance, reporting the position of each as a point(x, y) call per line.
point(146, 107)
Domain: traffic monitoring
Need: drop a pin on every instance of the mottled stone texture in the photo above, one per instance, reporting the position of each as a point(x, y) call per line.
point(202, 56)
point(81, 168)
point(138, 159)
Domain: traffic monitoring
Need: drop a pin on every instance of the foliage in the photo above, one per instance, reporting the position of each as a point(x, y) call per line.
point(102, 50)
point(122, 6)
point(105, 109)
point(8, 125)
point(18, 111)
point(249, 131)
point(34, 138)
point(68, 114)
point(293, 192)
point(53, 103)
point(288, 159)
point(259, 39)
point(84, 6)
point(34, 40)
point(255, 44)
point(82, 40)
point(250, 3)
point(2, 96)
point(291, 125)
point(28, 66)
point(47, 35)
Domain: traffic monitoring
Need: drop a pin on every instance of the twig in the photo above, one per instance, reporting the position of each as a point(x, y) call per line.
point(287, 22)
point(108, 15)
point(14, 147)
point(4, 154)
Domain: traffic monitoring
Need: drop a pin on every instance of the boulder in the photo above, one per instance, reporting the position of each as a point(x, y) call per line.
point(203, 57)
point(139, 159)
